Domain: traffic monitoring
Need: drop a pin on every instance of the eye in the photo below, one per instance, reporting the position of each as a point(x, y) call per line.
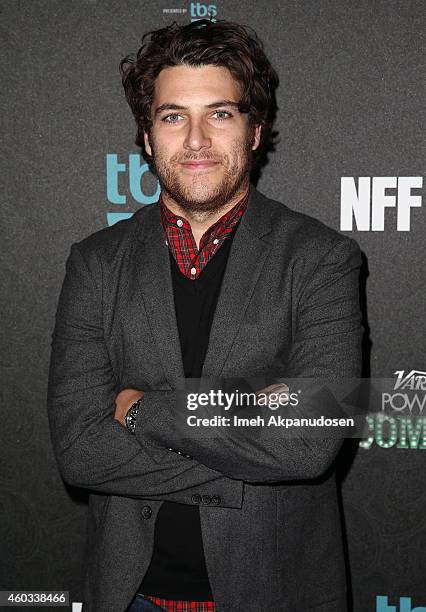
point(171, 118)
point(222, 113)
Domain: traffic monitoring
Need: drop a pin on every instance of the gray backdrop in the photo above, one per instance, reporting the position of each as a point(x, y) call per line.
point(351, 102)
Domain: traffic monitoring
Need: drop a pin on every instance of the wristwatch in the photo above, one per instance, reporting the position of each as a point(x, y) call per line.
point(131, 415)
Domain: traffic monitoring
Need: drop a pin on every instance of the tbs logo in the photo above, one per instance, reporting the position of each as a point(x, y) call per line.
point(198, 10)
point(116, 173)
point(404, 605)
point(367, 202)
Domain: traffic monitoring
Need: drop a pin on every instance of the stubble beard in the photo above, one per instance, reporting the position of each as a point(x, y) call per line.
point(199, 198)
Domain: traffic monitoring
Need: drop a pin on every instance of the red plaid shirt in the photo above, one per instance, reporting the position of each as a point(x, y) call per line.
point(182, 606)
point(182, 245)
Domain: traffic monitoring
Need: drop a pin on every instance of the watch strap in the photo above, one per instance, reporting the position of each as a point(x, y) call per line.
point(131, 416)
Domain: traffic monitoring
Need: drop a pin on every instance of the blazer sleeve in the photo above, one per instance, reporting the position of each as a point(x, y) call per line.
point(92, 449)
point(327, 344)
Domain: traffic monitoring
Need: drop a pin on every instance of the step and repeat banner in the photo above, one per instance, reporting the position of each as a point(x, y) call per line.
point(349, 152)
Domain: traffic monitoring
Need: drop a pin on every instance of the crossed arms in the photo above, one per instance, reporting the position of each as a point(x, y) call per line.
point(95, 451)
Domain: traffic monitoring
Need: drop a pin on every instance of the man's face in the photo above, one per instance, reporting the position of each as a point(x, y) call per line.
point(200, 143)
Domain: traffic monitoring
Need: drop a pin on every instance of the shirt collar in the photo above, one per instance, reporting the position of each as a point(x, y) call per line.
point(229, 219)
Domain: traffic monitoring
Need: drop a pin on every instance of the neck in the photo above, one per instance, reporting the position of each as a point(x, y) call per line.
point(200, 221)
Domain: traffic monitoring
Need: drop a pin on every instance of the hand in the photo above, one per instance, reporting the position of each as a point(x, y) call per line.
point(123, 401)
point(278, 390)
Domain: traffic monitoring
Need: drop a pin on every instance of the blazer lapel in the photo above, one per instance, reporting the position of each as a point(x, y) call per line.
point(245, 263)
point(152, 266)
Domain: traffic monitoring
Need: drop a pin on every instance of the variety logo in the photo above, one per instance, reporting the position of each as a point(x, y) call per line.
point(367, 202)
point(405, 604)
point(416, 379)
point(409, 394)
point(400, 423)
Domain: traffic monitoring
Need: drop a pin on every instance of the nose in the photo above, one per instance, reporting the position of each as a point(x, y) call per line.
point(196, 137)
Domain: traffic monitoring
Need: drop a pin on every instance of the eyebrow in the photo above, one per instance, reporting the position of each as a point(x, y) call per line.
point(168, 106)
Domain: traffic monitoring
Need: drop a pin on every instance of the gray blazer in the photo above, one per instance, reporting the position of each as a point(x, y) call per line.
point(288, 306)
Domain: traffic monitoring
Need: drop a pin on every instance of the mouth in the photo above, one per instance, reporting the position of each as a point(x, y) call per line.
point(199, 165)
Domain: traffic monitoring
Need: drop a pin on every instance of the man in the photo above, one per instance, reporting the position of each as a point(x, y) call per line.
point(214, 280)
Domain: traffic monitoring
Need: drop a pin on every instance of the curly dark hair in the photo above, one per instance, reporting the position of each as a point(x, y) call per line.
point(202, 42)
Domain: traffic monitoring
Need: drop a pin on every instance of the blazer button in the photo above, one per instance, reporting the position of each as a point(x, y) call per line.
point(207, 499)
point(216, 499)
point(196, 498)
point(147, 512)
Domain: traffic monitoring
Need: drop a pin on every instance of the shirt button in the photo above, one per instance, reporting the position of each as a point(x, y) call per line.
point(179, 222)
point(193, 271)
point(215, 241)
point(147, 512)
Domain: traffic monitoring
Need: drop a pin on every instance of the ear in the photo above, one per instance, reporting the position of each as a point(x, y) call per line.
point(256, 136)
point(147, 145)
